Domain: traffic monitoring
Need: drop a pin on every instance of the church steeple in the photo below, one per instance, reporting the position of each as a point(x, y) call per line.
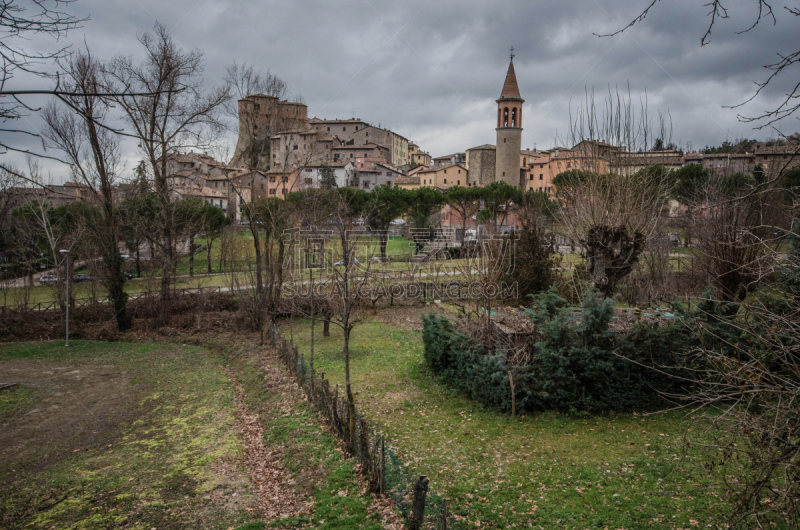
point(510, 87)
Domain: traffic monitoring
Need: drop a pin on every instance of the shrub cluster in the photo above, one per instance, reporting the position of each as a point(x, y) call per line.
point(579, 363)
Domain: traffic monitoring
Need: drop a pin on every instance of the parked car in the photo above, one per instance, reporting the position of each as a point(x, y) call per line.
point(128, 275)
point(398, 222)
point(78, 278)
point(48, 279)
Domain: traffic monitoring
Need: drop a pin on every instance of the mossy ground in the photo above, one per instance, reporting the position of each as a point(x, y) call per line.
point(112, 435)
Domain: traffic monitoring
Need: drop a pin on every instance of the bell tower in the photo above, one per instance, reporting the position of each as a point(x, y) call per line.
point(509, 129)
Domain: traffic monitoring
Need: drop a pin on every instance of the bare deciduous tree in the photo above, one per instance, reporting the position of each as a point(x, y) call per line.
point(177, 115)
point(92, 153)
point(612, 213)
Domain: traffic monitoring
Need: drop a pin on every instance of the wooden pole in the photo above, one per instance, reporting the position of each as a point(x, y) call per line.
point(418, 508)
point(444, 514)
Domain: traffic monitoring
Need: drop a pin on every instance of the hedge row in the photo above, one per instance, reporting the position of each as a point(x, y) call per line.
point(579, 364)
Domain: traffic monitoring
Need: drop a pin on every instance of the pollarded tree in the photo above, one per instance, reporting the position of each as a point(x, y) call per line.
point(612, 216)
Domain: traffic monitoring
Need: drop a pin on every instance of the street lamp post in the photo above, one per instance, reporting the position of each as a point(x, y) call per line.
point(66, 254)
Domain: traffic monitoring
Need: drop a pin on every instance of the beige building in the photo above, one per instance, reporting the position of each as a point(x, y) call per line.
point(444, 176)
point(418, 157)
point(396, 144)
point(300, 148)
point(342, 129)
point(343, 153)
point(407, 182)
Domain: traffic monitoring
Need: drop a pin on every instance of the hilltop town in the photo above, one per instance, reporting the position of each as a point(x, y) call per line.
point(331, 326)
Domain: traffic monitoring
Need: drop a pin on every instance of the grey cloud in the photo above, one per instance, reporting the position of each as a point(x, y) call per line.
point(431, 70)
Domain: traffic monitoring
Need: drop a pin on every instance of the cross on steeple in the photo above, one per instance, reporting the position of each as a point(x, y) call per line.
point(512, 53)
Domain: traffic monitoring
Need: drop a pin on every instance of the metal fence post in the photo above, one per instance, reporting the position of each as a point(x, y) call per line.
point(444, 514)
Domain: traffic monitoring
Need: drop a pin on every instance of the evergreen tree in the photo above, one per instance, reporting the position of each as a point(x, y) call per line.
point(327, 178)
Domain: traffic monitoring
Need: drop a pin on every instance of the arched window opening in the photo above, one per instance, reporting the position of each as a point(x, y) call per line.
point(513, 117)
point(505, 117)
point(499, 117)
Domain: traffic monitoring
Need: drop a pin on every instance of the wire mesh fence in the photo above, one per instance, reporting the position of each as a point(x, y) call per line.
point(409, 492)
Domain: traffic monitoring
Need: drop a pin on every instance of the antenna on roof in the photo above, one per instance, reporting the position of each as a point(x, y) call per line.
point(512, 53)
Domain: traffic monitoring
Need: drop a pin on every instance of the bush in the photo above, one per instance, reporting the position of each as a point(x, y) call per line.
point(579, 364)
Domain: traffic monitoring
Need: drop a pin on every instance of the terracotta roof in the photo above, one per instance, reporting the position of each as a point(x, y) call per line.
point(402, 179)
point(417, 170)
point(484, 146)
point(510, 87)
point(542, 160)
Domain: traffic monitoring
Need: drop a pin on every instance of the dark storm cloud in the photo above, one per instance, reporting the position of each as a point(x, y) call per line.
point(431, 69)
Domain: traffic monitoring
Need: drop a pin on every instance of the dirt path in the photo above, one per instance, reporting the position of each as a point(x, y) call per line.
point(275, 492)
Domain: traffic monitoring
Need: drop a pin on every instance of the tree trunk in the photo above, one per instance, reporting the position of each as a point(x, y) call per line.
point(138, 263)
point(191, 257)
point(209, 242)
point(513, 396)
point(326, 326)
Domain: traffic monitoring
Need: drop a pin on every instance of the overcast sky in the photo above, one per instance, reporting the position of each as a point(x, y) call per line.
point(431, 70)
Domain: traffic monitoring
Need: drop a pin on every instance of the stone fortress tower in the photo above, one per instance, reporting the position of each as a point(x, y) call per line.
point(509, 130)
point(260, 117)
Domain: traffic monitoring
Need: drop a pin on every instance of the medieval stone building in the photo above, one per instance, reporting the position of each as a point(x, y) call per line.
point(261, 117)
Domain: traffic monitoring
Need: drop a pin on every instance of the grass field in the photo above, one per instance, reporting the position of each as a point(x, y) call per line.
point(144, 435)
point(106, 435)
point(548, 470)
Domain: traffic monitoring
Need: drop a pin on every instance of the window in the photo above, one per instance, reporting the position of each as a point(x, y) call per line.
point(504, 173)
point(530, 177)
point(308, 170)
point(504, 140)
point(366, 184)
point(445, 181)
point(540, 188)
point(548, 189)
point(272, 191)
point(309, 180)
point(569, 165)
point(284, 179)
point(272, 180)
point(329, 129)
point(459, 171)
point(541, 176)
point(459, 183)
point(295, 147)
point(344, 129)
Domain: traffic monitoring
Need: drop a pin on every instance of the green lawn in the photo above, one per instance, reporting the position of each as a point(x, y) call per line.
point(549, 470)
point(143, 435)
point(110, 435)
